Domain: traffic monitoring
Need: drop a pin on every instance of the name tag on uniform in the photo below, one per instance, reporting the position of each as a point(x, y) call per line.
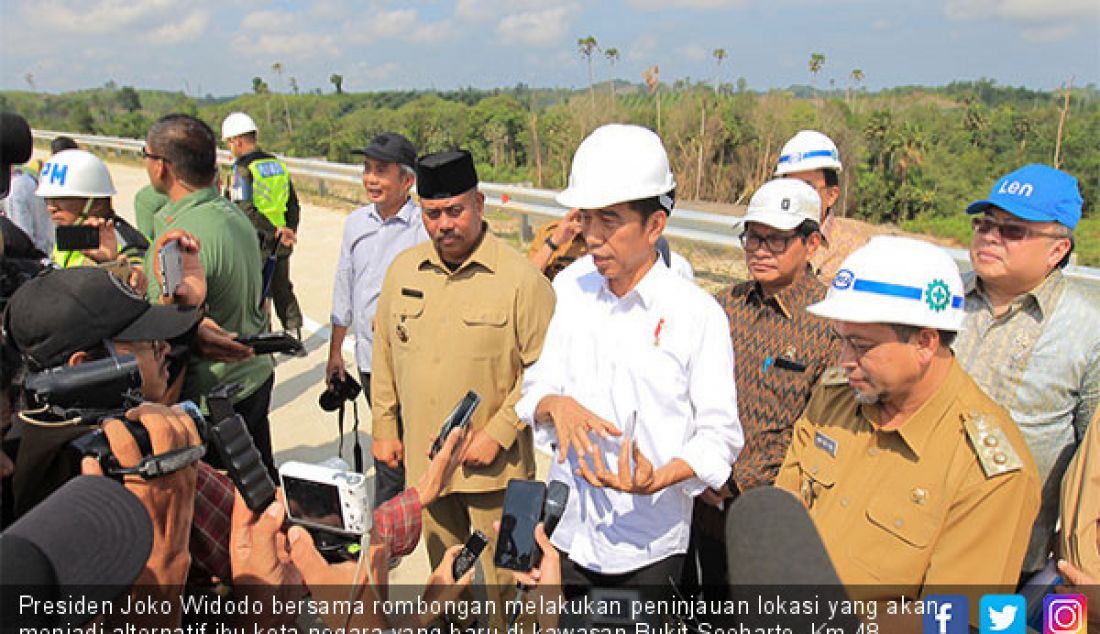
point(412, 292)
point(823, 442)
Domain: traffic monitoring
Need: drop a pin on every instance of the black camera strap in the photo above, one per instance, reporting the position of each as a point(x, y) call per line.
point(357, 450)
point(159, 465)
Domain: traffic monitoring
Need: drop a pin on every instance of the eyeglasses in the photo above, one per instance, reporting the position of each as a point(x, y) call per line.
point(775, 243)
point(155, 157)
point(1010, 231)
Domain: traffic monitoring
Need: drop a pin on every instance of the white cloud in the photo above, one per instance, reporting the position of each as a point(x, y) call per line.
point(694, 53)
point(657, 5)
point(544, 27)
point(392, 23)
point(1022, 10)
point(190, 28)
point(1044, 35)
point(100, 16)
point(489, 9)
point(268, 21)
point(882, 24)
point(643, 49)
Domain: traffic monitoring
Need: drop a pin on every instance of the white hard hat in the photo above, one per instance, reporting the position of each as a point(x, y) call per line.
point(618, 163)
point(808, 150)
point(74, 174)
point(236, 124)
point(783, 203)
point(895, 280)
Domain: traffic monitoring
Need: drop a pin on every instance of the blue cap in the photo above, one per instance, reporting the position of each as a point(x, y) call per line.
point(1035, 192)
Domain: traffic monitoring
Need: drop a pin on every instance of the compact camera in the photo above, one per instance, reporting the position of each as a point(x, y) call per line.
point(339, 391)
point(326, 498)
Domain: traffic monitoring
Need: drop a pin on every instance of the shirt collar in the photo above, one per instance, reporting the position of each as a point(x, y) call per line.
point(193, 199)
point(403, 215)
point(791, 298)
point(648, 289)
point(487, 254)
point(1044, 296)
point(919, 428)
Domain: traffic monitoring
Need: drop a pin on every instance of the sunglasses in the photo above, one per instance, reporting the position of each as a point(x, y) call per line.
point(1010, 231)
point(145, 154)
point(774, 243)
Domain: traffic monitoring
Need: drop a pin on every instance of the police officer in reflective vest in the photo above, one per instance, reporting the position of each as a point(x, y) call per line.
point(261, 187)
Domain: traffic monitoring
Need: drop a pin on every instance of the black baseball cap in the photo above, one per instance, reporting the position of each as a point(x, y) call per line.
point(445, 174)
point(68, 310)
point(90, 539)
point(390, 147)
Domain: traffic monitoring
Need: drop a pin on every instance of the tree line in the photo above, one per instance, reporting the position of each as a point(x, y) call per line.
point(913, 156)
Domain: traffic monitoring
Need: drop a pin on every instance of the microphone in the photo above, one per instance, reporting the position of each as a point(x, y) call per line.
point(553, 507)
point(775, 554)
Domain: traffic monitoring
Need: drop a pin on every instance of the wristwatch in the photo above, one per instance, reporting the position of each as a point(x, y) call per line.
point(550, 243)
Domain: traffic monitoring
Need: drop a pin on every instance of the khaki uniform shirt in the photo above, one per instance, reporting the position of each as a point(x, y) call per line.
point(1080, 501)
point(914, 507)
point(440, 333)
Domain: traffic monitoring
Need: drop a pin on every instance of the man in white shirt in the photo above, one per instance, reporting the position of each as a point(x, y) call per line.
point(635, 382)
point(373, 236)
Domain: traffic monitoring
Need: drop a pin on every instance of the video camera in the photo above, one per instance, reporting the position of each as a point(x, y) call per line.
point(89, 394)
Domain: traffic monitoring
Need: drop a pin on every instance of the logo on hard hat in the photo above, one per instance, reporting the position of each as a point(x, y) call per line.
point(786, 204)
point(937, 295)
point(843, 279)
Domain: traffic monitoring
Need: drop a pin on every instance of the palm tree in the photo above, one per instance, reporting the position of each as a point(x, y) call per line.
point(294, 84)
point(337, 80)
point(719, 55)
point(29, 78)
point(855, 77)
point(612, 55)
point(277, 68)
point(587, 46)
point(817, 60)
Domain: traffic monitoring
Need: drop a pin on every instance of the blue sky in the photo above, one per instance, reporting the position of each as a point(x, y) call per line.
point(217, 46)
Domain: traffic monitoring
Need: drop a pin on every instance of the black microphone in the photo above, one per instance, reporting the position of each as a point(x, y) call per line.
point(775, 553)
point(553, 507)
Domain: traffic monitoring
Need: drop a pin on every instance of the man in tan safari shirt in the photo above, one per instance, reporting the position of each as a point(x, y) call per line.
point(462, 312)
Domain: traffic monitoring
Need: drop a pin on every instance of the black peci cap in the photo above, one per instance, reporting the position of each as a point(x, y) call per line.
point(445, 174)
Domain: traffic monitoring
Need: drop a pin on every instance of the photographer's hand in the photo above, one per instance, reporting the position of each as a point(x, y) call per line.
point(192, 289)
point(441, 468)
point(331, 582)
point(169, 499)
point(107, 250)
point(216, 344)
point(335, 366)
point(260, 558)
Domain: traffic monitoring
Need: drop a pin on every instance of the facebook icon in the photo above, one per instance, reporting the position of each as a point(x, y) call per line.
point(946, 614)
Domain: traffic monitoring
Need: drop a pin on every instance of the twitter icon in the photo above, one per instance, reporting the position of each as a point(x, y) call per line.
point(1003, 614)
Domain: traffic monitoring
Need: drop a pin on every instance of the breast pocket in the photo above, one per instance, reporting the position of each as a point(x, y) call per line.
point(818, 476)
point(485, 330)
point(896, 538)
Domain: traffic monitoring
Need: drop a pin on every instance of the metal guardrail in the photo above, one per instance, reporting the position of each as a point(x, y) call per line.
point(711, 229)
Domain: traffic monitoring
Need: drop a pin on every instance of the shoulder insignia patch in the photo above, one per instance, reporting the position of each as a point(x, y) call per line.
point(995, 453)
point(833, 376)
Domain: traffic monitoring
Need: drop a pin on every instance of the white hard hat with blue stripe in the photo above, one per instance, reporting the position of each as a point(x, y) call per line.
point(808, 150)
point(896, 280)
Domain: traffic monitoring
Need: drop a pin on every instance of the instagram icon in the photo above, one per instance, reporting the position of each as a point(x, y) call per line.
point(1064, 614)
